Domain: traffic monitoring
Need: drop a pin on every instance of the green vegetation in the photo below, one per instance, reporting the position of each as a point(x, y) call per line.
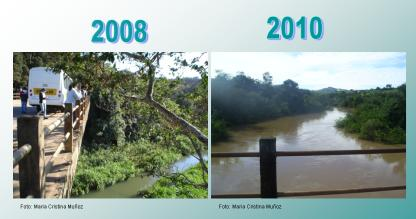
point(242, 100)
point(103, 167)
point(188, 184)
point(377, 115)
point(140, 122)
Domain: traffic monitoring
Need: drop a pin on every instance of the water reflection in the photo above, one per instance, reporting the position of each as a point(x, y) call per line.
point(306, 132)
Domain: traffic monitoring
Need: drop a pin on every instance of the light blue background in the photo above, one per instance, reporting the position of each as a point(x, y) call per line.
point(355, 25)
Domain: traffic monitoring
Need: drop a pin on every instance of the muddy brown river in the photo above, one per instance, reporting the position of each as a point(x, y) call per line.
point(307, 132)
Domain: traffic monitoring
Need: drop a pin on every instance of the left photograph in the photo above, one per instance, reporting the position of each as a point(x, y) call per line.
point(110, 125)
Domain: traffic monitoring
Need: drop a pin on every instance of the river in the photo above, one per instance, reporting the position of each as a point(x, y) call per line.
point(130, 187)
point(307, 132)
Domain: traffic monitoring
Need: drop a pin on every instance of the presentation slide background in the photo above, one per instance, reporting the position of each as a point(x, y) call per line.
point(213, 26)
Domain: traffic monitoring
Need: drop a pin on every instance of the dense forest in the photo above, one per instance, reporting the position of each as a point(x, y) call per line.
point(140, 122)
point(375, 114)
point(243, 100)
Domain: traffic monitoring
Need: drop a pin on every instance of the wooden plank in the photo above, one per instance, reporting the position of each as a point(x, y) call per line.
point(66, 193)
point(340, 191)
point(77, 116)
point(76, 124)
point(236, 196)
point(234, 154)
point(64, 167)
point(68, 127)
point(339, 152)
point(82, 109)
point(316, 193)
point(20, 153)
point(75, 108)
point(66, 137)
point(59, 181)
point(49, 165)
point(54, 125)
point(311, 153)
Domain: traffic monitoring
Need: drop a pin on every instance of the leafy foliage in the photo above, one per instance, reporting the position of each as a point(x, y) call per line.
point(242, 100)
point(377, 115)
point(185, 185)
point(103, 167)
point(125, 135)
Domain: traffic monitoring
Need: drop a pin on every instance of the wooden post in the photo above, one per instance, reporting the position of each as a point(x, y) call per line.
point(68, 127)
point(31, 175)
point(81, 106)
point(268, 181)
point(76, 114)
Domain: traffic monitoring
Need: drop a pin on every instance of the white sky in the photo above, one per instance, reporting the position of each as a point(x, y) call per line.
point(166, 63)
point(346, 70)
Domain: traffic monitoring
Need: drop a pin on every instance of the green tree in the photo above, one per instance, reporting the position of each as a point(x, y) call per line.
point(267, 78)
point(132, 90)
point(242, 100)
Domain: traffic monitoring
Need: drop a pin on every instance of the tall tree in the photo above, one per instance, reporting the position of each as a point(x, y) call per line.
point(267, 78)
point(97, 70)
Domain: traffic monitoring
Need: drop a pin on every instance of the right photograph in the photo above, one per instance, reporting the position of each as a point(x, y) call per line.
point(308, 124)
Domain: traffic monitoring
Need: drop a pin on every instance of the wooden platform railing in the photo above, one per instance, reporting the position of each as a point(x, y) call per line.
point(16, 96)
point(30, 154)
point(268, 179)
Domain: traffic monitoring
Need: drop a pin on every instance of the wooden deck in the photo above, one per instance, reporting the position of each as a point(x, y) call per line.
point(58, 182)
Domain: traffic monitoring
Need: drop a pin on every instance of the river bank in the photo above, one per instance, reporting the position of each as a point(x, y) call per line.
point(129, 185)
point(187, 184)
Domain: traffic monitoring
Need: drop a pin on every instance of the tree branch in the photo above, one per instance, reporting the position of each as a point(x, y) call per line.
point(174, 119)
point(150, 84)
point(168, 115)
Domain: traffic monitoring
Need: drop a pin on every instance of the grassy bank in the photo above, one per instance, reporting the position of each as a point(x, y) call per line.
point(105, 166)
point(188, 184)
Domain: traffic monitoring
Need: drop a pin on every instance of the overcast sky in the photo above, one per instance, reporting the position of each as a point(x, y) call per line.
point(346, 70)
